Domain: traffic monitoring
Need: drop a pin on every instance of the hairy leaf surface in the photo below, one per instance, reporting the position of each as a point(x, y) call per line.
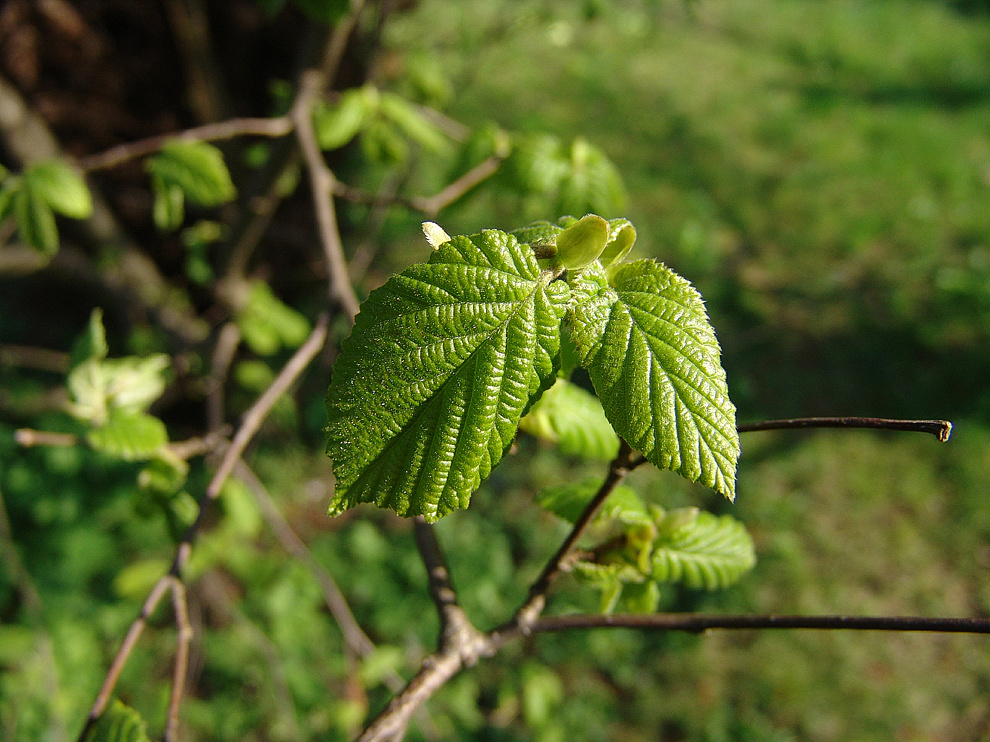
point(701, 549)
point(655, 363)
point(443, 361)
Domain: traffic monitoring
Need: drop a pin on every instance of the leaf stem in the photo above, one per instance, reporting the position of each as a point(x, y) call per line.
point(941, 429)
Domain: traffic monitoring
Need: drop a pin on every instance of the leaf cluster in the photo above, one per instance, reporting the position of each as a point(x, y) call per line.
point(446, 358)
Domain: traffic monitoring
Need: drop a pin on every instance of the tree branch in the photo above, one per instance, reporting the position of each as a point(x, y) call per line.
point(220, 131)
point(941, 429)
point(701, 622)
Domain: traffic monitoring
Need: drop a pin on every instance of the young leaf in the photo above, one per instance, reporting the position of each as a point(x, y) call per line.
point(268, 324)
point(568, 501)
point(621, 237)
point(582, 242)
point(35, 220)
point(61, 187)
point(573, 419)
point(197, 168)
point(444, 359)
point(408, 118)
point(169, 207)
point(655, 364)
point(701, 549)
point(92, 344)
point(336, 125)
point(130, 436)
point(119, 723)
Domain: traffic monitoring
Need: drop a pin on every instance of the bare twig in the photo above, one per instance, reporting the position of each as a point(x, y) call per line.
point(223, 355)
point(428, 205)
point(28, 437)
point(259, 410)
point(441, 586)
point(124, 653)
point(321, 182)
point(184, 633)
point(40, 359)
point(461, 645)
point(222, 130)
point(701, 622)
point(941, 429)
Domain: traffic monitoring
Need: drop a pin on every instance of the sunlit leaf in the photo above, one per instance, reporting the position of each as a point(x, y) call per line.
point(130, 436)
point(197, 168)
point(655, 364)
point(701, 550)
point(62, 187)
point(443, 360)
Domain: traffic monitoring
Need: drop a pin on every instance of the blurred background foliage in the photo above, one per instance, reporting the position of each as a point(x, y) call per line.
point(820, 170)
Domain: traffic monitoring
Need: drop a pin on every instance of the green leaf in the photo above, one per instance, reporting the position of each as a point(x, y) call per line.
point(131, 384)
point(35, 220)
point(655, 364)
point(621, 237)
point(268, 324)
point(61, 187)
point(197, 168)
point(443, 361)
point(573, 419)
point(131, 436)
point(92, 344)
point(568, 501)
point(119, 723)
point(701, 550)
point(8, 193)
point(336, 125)
point(582, 242)
point(409, 119)
point(169, 207)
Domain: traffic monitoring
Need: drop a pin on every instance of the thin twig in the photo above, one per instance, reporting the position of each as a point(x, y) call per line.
point(438, 573)
point(228, 339)
point(40, 359)
point(618, 470)
point(124, 653)
point(184, 635)
point(700, 622)
point(220, 131)
point(28, 437)
point(941, 429)
point(427, 205)
point(321, 183)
